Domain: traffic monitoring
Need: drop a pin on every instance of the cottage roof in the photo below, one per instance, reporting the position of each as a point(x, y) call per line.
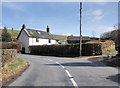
point(37, 34)
point(78, 38)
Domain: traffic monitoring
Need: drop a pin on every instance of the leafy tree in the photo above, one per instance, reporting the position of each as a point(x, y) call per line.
point(6, 37)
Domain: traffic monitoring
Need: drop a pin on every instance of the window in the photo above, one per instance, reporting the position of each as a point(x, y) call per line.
point(37, 39)
point(49, 41)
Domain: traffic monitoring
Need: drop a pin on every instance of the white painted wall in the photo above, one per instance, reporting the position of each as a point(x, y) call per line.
point(27, 41)
point(24, 39)
point(32, 41)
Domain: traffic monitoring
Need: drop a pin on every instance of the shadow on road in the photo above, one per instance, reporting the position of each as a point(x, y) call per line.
point(114, 78)
point(89, 64)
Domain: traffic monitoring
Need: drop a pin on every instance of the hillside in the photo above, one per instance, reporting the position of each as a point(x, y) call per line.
point(60, 37)
point(16, 32)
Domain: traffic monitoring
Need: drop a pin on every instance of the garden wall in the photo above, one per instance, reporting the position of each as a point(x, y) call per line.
point(66, 50)
point(8, 56)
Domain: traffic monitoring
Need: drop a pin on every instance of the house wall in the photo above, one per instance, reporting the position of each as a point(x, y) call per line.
point(32, 41)
point(23, 38)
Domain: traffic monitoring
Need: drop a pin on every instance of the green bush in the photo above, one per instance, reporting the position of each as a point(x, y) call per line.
point(66, 50)
point(91, 49)
point(8, 56)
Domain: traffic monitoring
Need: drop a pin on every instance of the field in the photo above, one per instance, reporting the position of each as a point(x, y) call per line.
point(15, 33)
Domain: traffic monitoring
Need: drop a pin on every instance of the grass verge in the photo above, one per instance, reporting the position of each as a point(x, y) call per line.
point(13, 70)
point(109, 50)
point(115, 61)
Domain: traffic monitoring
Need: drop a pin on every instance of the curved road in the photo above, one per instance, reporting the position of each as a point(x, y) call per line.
point(59, 71)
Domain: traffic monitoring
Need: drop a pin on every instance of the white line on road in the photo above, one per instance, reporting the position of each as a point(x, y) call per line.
point(57, 62)
point(60, 65)
point(69, 75)
point(50, 60)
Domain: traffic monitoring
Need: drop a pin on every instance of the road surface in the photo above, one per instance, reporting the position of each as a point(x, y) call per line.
point(61, 71)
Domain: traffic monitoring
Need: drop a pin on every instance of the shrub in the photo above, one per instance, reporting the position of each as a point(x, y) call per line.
point(6, 37)
point(11, 45)
point(91, 49)
point(8, 56)
point(66, 50)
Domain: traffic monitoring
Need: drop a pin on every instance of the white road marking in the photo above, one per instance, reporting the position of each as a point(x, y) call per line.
point(50, 60)
point(74, 83)
point(60, 65)
point(69, 75)
point(57, 62)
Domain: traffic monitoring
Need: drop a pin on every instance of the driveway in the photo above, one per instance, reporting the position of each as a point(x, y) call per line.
point(60, 71)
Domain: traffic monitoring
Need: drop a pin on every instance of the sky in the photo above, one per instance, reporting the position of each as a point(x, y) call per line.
point(62, 17)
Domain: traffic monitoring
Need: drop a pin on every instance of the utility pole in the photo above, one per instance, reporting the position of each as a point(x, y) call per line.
point(80, 29)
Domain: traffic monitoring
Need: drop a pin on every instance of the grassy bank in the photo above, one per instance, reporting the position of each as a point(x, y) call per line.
point(115, 61)
point(109, 50)
point(13, 69)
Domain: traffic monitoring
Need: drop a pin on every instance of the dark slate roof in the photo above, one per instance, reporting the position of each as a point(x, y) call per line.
point(38, 34)
point(78, 38)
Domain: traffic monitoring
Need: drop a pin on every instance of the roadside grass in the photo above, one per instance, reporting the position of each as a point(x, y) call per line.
point(13, 68)
point(115, 61)
point(108, 50)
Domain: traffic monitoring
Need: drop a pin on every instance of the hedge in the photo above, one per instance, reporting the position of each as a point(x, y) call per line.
point(66, 50)
point(11, 45)
point(8, 56)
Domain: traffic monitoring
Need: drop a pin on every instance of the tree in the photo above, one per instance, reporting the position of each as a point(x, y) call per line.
point(115, 36)
point(6, 37)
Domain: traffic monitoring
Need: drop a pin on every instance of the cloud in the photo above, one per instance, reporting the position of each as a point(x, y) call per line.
point(97, 12)
point(17, 16)
point(96, 15)
point(97, 18)
point(14, 6)
point(105, 28)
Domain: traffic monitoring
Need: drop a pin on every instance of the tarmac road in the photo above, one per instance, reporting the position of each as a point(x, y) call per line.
point(61, 71)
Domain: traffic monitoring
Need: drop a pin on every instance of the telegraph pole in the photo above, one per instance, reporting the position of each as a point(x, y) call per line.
point(80, 29)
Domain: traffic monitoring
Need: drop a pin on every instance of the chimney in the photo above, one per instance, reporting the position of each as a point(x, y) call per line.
point(23, 26)
point(48, 29)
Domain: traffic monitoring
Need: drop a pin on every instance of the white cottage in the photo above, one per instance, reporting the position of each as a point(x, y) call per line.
point(30, 37)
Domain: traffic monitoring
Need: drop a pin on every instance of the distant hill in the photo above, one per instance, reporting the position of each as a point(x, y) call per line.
point(16, 32)
point(60, 37)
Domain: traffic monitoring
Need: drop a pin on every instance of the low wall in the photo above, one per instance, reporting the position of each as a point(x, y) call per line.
point(8, 56)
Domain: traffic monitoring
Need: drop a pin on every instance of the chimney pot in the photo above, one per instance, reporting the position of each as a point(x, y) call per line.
point(24, 26)
point(48, 29)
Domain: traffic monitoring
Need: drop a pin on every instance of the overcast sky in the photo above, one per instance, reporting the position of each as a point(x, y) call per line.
point(62, 17)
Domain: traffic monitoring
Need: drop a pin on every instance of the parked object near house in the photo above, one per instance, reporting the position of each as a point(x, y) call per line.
point(76, 39)
point(62, 42)
point(29, 37)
